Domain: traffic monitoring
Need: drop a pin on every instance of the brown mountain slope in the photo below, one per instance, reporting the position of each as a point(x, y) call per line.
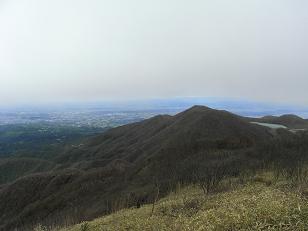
point(198, 127)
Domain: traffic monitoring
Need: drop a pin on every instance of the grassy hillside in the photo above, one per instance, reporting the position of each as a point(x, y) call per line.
point(255, 206)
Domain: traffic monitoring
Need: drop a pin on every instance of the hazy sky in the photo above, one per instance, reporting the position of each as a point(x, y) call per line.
point(54, 50)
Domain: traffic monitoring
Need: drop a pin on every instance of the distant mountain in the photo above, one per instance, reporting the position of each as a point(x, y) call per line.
point(197, 128)
point(290, 121)
point(121, 167)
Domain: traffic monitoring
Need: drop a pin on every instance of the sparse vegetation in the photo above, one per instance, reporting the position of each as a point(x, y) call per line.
point(85, 226)
point(254, 206)
point(40, 228)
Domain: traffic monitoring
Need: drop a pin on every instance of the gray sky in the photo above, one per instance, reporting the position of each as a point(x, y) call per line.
point(106, 49)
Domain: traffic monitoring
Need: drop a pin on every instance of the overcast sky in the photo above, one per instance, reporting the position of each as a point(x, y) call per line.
point(110, 49)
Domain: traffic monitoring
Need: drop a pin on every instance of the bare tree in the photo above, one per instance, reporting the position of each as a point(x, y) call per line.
point(209, 177)
point(157, 187)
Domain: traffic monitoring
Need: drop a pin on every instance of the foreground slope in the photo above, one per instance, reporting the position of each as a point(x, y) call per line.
point(123, 166)
point(252, 207)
